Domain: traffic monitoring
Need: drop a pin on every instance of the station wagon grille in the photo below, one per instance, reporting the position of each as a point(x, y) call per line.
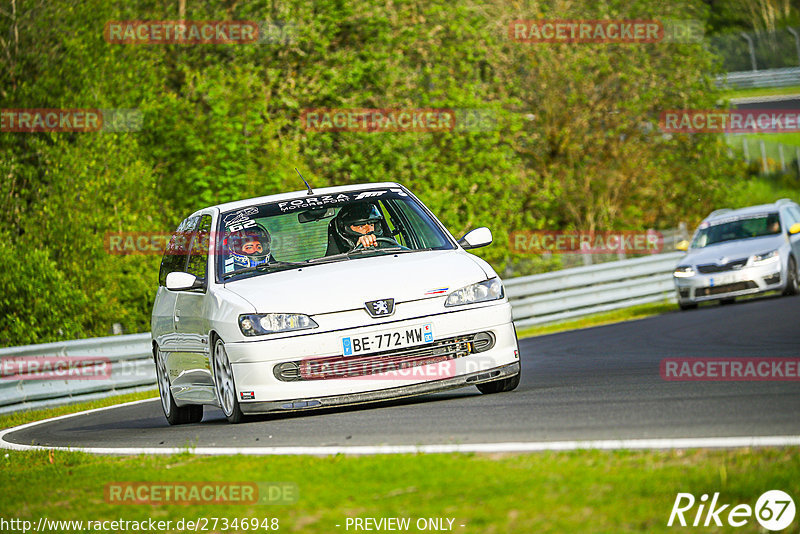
point(709, 268)
point(725, 288)
point(381, 362)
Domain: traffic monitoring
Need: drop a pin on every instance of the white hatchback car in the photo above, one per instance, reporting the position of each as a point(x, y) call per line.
point(340, 296)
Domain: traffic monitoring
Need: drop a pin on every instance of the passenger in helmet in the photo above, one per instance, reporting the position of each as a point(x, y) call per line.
point(250, 246)
point(357, 224)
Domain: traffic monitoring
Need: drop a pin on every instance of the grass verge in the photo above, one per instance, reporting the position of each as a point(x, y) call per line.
point(580, 491)
point(599, 319)
point(763, 91)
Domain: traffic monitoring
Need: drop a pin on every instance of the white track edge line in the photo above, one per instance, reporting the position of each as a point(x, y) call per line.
point(612, 444)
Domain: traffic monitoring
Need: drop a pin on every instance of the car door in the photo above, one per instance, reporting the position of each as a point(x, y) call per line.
point(174, 260)
point(792, 217)
point(191, 320)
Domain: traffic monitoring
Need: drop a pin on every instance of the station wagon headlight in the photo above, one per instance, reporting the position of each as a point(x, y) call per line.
point(683, 271)
point(258, 324)
point(480, 292)
point(761, 259)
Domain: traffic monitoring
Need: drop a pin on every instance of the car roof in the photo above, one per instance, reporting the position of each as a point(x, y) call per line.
point(301, 192)
point(749, 210)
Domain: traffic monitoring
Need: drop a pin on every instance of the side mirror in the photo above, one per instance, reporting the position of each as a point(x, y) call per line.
point(794, 229)
point(479, 237)
point(682, 245)
point(178, 281)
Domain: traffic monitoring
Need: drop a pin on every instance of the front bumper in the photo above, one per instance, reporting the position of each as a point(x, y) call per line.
point(259, 389)
point(714, 286)
point(366, 397)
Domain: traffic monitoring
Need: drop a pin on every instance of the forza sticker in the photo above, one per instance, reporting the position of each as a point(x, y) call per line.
point(395, 338)
point(312, 202)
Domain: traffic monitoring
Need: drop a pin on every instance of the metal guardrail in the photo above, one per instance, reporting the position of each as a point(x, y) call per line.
point(116, 364)
point(760, 78)
point(127, 365)
point(570, 293)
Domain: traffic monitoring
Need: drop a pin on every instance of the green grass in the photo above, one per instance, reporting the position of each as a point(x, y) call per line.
point(580, 491)
point(616, 316)
point(760, 190)
point(763, 91)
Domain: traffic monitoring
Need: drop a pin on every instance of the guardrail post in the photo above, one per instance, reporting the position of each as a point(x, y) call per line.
point(764, 157)
point(796, 42)
point(752, 50)
point(783, 161)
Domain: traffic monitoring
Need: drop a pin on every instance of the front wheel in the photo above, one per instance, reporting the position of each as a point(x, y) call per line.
point(176, 415)
point(224, 384)
point(500, 386)
point(791, 282)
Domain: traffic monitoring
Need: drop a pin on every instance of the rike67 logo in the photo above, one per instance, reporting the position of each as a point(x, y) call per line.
point(774, 511)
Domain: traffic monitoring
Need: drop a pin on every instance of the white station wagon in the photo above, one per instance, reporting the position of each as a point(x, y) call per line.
point(312, 299)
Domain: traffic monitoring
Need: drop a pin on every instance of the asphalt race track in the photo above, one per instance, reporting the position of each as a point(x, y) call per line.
point(594, 384)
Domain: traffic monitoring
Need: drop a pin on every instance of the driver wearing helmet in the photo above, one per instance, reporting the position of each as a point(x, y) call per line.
point(358, 224)
point(250, 246)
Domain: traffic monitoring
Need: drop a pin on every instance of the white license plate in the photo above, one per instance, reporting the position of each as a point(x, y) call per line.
point(395, 338)
point(721, 280)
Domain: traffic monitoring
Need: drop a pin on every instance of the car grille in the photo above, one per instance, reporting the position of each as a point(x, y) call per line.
point(354, 366)
point(714, 268)
point(724, 288)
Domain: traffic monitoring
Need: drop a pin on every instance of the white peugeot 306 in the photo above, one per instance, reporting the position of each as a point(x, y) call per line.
point(312, 299)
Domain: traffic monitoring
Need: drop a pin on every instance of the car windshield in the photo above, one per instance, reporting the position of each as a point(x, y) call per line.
point(737, 228)
point(316, 229)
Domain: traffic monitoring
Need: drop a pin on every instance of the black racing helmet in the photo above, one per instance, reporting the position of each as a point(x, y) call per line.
point(235, 242)
point(357, 215)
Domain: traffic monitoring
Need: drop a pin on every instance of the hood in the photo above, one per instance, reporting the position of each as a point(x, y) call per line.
point(348, 284)
point(733, 250)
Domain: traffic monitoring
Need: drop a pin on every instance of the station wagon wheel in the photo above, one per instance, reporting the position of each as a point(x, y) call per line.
point(791, 283)
point(224, 384)
point(176, 415)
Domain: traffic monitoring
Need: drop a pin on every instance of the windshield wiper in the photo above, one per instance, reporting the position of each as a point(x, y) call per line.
point(358, 252)
point(264, 267)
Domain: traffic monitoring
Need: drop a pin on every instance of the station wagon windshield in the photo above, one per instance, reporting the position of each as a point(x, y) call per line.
point(739, 228)
point(317, 229)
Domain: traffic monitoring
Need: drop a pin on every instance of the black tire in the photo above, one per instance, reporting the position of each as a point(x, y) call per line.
point(791, 282)
point(176, 415)
point(500, 386)
point(224, 384)
point(725, 302)
point(687, 306)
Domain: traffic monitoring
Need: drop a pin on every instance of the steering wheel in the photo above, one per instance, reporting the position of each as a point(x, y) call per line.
point(381, 240)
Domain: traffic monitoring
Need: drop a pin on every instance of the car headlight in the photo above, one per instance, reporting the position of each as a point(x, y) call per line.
point(683, 271)
point(480, 292)
point(761, 259)
point(258, 324)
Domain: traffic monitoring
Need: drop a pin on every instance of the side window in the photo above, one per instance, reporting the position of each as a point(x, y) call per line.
point(793, 216)
point(174, 259)
point(198, 261)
